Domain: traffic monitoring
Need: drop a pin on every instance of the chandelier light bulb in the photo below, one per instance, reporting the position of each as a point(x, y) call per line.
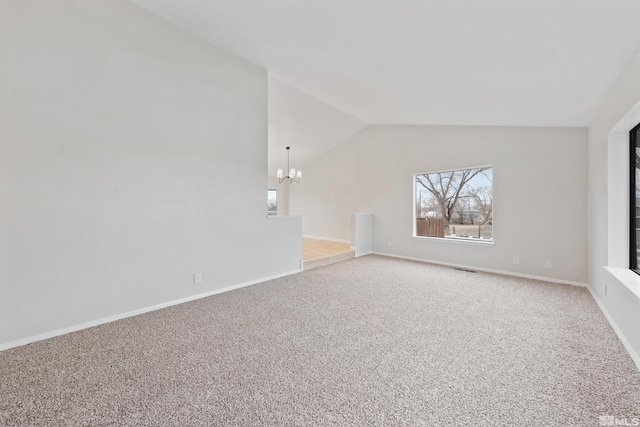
point(294, 176)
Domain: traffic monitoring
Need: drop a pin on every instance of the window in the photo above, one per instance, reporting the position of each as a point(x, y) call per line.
point(634, 181)
point(272, 202)
point(455, 204)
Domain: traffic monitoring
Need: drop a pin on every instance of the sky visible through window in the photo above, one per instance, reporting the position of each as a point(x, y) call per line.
point(455, 204)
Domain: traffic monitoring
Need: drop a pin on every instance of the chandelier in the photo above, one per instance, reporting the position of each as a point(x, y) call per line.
point(293, 175)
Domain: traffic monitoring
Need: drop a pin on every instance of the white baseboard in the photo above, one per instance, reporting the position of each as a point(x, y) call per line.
point(74, 328)
point(328, 239)
point(634, 356)
point(487, 270)
point(364, 254)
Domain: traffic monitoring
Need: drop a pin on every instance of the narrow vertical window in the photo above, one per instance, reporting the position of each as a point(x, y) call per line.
point(634, 202)
point(272, 202)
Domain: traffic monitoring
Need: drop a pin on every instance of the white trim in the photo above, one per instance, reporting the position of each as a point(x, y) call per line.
point(456, 239)
point(628, 121)
point(80, 326)
point(634, 356)
point(364, 254)
point(282, 216)
point(454, 170)
point(618, 200)
point(629, 280)
point(328, 239)
point(488, 270)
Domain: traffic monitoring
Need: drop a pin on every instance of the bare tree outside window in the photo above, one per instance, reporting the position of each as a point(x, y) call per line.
point(455, 204)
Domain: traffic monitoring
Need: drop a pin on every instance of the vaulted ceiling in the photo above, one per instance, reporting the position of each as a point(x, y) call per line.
point(453, 62)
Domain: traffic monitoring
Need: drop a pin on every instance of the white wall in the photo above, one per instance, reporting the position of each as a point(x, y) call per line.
point(132, 155)
point(308, 125)
point(540, 194)
point(608, 207)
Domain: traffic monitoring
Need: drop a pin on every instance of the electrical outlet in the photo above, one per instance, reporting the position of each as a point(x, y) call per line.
point(390, 243)
point(516, 260)
point(197, 277)
point(548, 264)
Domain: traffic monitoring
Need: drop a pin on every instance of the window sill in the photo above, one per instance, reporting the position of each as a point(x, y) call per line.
point(627, 278)
point(460, 240)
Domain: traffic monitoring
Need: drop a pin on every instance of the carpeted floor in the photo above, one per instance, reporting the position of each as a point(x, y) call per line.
point(371, 341)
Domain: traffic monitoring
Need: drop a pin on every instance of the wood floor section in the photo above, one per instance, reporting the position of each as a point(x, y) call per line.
point(314, 248)
point(317, 253)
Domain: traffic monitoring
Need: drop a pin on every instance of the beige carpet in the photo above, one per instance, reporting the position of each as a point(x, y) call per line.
point(371, 341)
